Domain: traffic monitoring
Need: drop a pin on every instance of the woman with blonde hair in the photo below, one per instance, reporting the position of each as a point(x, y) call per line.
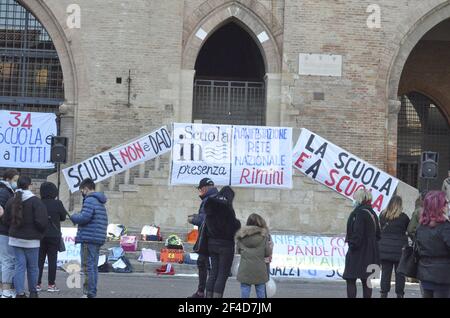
point(363, 232)
point(394, 225)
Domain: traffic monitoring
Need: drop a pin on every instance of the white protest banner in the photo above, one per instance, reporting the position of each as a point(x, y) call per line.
point(261, 157)
point(73, 251)
point(201, 151)
point(340, 170)
point(121, 158)
point(25, 139)
point(301, 256)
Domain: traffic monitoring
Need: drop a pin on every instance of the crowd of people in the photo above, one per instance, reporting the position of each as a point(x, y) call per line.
point(380, 241)
point(30, 233)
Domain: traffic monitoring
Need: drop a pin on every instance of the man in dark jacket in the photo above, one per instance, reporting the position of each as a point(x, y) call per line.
point(206, 189)
point(7, 187)
point(92, 225)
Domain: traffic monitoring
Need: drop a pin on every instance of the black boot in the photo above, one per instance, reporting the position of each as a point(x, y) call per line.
point(400, 295)
point(384, 295)
point(34, 295)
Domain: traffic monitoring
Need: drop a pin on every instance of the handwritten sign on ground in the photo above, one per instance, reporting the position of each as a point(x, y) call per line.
point(121, 158)
point(300, 256)
point(25, 139)
point(340, 170)
point(244, 156)
point(261, 157)
point(201, 151)
point(73, 251)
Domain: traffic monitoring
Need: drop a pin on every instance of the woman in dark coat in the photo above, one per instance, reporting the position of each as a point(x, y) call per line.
point(51, 241)
point(221, 226)
point(394, 225)
point(363, 233)
point(433, 239)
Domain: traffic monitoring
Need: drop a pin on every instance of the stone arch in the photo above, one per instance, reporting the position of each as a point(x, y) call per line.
point(68, 109)
point(43, 13)
point(411, 32)
point(409, 40)
point(215, 18)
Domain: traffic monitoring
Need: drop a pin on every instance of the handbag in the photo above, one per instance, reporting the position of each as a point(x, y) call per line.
point(201, 246)
point(62, 245)
point(409, 260)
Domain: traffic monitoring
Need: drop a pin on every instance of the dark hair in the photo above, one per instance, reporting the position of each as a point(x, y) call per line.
point(17, 205)
point(9, 174)
point(87, 183)
point(48, 190)
point(256, 220)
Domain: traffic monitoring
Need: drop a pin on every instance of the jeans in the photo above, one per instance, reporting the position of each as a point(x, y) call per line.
point(203, 267)
point(49, 248)
point(26, 260)
point(7, 261)
point(351, 288)
point(221, 262)
point(260, 290)
point(386, 273)
point(89, 264)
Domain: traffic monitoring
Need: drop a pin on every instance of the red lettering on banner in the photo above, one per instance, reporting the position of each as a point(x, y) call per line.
point(332, 182)
point(301, 159)
point(290, 249)
point(132, 153)
point(378, 203)
point(338, 189)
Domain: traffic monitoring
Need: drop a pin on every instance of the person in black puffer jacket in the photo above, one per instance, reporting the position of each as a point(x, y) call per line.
point(221, 227)
point(433, 239)
point(51, 241)
point(394, 225)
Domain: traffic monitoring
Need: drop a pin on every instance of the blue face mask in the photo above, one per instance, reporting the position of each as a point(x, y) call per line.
point(13, 185)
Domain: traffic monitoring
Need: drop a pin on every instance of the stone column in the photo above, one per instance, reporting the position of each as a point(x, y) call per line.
point(392, 134)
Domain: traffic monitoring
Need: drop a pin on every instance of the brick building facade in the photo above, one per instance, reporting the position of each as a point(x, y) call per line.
point(156, 44)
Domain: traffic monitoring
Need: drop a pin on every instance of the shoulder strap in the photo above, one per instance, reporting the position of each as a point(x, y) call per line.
point(373, 218)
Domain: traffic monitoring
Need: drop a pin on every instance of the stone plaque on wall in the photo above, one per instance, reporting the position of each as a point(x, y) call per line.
point(320, 64)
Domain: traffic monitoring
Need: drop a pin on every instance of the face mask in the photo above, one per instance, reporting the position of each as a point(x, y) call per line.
point(83, 194)
point(13, 185)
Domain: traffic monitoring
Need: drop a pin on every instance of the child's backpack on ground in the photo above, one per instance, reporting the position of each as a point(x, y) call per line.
point(103, 265)
point(151, 233)
point(129, 243)
point(174, 242)
point(116, 231)
point(115, 253)
point(172, 255)
point(123, 265)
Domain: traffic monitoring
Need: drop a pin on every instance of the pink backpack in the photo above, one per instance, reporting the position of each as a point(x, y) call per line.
point(129, 243)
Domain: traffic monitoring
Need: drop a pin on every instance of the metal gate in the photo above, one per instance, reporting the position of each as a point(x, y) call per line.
point(230, 102)
point(421, 127)
point(31, 77)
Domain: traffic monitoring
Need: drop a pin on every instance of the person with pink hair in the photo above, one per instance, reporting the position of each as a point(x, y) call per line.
point(433, 240)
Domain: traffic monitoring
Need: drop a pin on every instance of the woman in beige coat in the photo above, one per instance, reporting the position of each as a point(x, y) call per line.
point(254, 245)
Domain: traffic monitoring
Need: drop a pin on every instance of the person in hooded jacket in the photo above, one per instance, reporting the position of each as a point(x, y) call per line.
point(363, 233)
point(51, 241)
point(27, 218)
point(394, 224)
point(92, 224)
point(7, 187)
point(221, 226)
point(254, 245)
point(433, 241)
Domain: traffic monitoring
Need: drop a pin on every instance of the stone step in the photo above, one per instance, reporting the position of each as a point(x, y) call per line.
point(139, 267)
point(157, 246)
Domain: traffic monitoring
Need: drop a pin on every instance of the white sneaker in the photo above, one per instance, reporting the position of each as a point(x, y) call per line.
point(52, 289)
point(9, 293)
point(84, 296)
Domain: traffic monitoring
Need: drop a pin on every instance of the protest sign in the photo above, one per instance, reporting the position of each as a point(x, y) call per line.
point(261, 157)
point(121, 158)
point(340, 170)
point(299, 256)
point(25, 139)
point(201, 151)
